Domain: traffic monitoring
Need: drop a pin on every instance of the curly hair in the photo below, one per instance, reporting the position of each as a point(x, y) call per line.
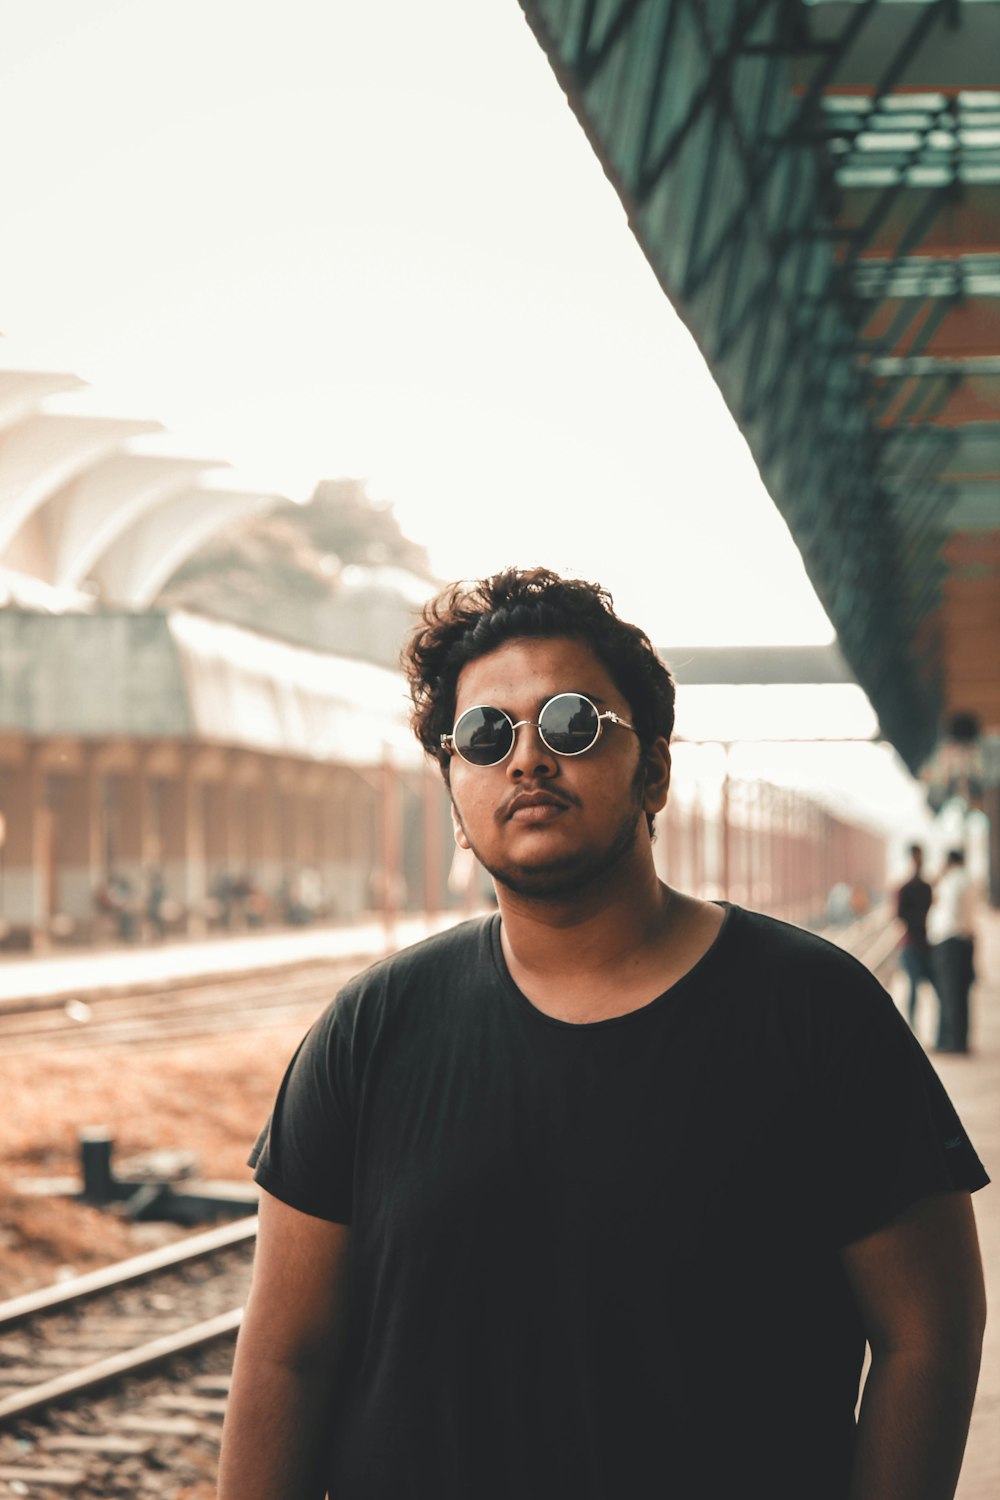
point(468, 620)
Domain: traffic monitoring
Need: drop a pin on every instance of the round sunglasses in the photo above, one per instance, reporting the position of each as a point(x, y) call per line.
point(568, 724)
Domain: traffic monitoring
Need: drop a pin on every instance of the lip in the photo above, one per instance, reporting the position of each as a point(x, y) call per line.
point(536, 807)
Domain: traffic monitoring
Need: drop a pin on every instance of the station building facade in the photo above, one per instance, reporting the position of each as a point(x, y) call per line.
point(169, 752)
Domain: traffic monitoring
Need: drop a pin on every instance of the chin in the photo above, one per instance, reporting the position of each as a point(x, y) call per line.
point(561, 879)
point(568, 875)
point(543, 885)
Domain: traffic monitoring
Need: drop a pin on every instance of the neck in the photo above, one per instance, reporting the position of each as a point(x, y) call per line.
point(602, 927)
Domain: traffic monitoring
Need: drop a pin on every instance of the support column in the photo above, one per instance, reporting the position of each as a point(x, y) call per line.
point(767, 846)
point(792, 835)
point(697, 831)
point(217, 832)
point(133, 828)
point(798, 853)
point(737, 842)
point(682, 873)
point(363, 846)
point(238, 806)
point(727, 833)
point(264, 835)
point(390, 876)
point(225, 802)
point(287, 829)
point(757, 879)
point(434, 899)
point(79, 875)
point(308, 812)
point(307, 818)
point(288, 821)
point(783, 825)
point(23, 896)
point(183, 857)
point(333, 819)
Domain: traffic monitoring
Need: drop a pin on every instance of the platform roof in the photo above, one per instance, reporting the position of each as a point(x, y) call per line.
point(817, 187)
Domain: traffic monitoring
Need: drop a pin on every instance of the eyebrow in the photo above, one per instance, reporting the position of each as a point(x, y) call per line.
point(595, 698)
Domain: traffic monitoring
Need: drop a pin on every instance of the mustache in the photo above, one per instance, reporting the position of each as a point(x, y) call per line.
point(561, 798)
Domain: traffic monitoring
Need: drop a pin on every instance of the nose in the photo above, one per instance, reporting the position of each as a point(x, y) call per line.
point(530, 755)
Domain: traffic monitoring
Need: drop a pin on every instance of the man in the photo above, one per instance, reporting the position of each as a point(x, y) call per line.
point(950, 930)
point(913, 902)
point(597, 1197)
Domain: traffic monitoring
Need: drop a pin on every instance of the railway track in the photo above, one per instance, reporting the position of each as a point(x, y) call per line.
point(110, 1380)
point(176, 1013)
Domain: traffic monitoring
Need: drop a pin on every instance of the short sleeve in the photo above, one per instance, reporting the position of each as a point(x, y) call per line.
point(887, 1132)
point(305, 1153)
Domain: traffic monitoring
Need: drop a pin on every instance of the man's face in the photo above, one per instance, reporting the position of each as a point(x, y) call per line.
point(546, 825)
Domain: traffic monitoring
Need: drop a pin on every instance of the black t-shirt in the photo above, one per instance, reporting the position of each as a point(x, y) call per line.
point(913, 902)
point(599, 1262)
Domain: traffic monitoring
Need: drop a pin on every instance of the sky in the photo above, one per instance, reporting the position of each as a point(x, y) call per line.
point(337, 239)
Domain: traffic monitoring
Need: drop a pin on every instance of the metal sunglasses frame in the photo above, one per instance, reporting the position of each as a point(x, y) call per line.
point(448, 740)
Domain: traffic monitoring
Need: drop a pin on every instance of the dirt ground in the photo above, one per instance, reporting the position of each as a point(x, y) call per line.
point(210, 1097)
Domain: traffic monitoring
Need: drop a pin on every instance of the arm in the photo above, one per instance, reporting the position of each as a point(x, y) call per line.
point(287, 1360)
point(918, 1284)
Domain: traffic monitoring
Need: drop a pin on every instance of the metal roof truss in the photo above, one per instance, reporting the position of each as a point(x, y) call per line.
point(817, 187)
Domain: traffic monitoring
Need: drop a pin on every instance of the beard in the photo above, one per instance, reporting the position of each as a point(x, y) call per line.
point(574, 874)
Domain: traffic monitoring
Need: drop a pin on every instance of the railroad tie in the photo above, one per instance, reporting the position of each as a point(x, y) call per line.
point(15, 1475)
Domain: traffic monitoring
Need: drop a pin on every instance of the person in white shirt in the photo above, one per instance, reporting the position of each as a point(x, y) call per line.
point(950, 934)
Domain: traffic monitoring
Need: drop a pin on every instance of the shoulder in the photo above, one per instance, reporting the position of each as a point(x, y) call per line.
point(455, 949)
point(427, 971)
point(785, 952)
point(808, 981)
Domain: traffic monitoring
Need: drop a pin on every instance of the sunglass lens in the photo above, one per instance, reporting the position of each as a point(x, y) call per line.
point(483, 736)
point(569, 724)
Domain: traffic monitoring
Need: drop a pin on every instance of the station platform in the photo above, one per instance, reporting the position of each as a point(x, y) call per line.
point(92, 971)
point(973, 1082)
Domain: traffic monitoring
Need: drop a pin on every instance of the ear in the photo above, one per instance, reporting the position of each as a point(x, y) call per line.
point(456, 823)
point(656, 768)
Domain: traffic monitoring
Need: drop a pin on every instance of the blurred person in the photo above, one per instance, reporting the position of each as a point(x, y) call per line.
point(224, 902)
point(156, 896)
point(293, 898)
point(599, 1196)
point(311, 891)
point(117, 898)
point(913, 902)
point(239, 891)
point(256, 904)
point(950, 932)
point(839, 912)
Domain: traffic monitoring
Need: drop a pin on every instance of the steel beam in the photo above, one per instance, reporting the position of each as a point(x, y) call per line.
point(590, 60)
point(713, 87)
point(858, 18)
point(956, 58)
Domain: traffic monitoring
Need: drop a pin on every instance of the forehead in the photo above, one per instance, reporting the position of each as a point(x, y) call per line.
point(523, 672)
